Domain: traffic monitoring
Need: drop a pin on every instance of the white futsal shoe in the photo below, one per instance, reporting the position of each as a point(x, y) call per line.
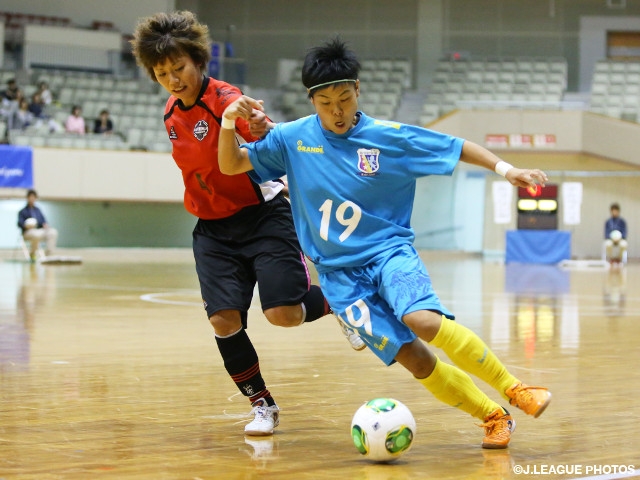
point(354, 339)
point(265, 419)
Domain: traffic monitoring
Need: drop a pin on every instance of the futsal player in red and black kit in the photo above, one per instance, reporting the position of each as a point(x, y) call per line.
point(244, 231)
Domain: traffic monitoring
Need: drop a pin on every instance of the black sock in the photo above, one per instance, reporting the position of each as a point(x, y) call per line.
point(315, 304)
point(241, 362)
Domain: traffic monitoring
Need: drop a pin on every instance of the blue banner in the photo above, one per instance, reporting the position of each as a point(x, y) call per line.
point(538, 246)
point(16, 166)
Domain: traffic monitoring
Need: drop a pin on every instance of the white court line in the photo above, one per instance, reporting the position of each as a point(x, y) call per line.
point(458, 304)
point(157, 298)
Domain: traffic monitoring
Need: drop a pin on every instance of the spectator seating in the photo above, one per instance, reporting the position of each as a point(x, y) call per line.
point(381, 85)
point(134, 106)
point(495, 83)
point(615, 89)
point(38, 138)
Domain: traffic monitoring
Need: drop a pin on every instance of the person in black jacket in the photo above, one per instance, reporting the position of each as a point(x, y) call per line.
point(103, 124)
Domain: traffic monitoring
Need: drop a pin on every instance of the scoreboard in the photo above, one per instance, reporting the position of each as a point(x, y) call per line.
point(538, 207)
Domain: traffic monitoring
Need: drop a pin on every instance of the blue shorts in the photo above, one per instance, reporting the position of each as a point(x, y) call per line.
point(372, 299)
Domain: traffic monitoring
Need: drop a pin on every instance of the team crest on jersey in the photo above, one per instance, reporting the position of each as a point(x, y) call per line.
point(368, 161)
point(201, 129)
point(172, 133)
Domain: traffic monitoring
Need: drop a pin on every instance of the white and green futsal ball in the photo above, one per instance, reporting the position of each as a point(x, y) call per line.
point(383, 429)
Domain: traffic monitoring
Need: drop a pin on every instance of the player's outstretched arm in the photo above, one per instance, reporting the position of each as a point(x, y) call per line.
point(233, 159)
point(520, 177)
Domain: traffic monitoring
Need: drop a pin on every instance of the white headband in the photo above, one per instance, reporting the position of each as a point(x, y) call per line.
point(331, 83)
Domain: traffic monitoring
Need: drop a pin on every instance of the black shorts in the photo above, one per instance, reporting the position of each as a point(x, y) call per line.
point(258, 244)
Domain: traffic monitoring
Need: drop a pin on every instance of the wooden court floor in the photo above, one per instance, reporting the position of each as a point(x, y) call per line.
point(109, 370)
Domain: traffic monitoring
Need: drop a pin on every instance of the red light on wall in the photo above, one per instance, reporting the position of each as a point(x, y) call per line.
point(538, 191)
point(534, 190)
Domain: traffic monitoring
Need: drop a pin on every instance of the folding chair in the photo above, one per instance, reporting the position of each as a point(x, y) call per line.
point(25, 249)
point(615, 254)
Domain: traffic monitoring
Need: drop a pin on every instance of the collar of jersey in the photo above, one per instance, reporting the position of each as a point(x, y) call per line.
point(203, 88)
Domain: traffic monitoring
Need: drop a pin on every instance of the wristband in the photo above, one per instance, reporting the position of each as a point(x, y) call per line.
point(502, 168)
point(228, 123)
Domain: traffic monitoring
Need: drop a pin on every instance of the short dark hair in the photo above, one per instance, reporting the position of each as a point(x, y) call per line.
point(328, 63)
point(31, 191)
point(614, 206)
point(170, 35)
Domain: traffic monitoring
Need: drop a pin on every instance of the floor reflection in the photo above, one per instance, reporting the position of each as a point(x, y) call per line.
point(544, 307)
point(24, 287)
point(535, 310)
point(614, 292)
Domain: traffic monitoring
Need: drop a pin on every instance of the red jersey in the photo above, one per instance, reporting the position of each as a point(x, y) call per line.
point(210, 194)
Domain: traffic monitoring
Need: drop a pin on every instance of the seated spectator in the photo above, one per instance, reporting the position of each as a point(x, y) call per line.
point(10, 98)
point(615, 234)
point(12, 91)
point(75, 121)
point(103, 123)
point(45, 93)
point(23, 116)
point(36, 106)
point(40, 116)
point(35, 228)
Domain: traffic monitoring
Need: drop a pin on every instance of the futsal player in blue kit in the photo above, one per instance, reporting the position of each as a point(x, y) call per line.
point(352, 182)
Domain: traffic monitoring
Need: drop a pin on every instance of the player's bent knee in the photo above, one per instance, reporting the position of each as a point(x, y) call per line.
point(424, 323)
point(226, 322)
point(284, 316)
point(417, 358)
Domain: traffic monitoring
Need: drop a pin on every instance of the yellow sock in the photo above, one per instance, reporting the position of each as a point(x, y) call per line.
point(452, 386)
point(472, 355)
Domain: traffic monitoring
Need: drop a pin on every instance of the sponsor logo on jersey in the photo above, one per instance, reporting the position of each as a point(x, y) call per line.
point(387, 123)
point(368, 161)
point(201, 129)
point(223, 94)
point(303, 148)
point(172, 133)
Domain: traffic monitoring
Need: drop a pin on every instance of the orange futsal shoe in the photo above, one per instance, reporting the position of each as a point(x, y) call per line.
point(498, 427)
point(531, 400)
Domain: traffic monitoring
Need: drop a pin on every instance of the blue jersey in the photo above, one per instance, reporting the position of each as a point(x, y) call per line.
point(352, 194)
